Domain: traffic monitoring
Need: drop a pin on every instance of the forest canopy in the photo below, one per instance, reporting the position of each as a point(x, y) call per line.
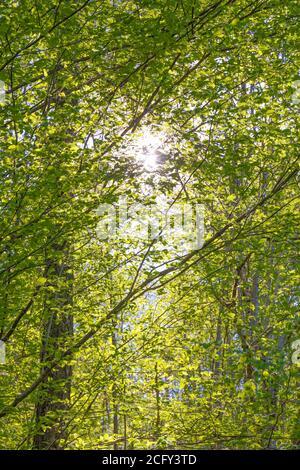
point(149, 234)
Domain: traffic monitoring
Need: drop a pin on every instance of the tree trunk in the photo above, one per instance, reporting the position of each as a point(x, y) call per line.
point(54, 396)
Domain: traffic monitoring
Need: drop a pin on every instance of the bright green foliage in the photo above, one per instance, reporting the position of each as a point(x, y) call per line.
point(167, 349)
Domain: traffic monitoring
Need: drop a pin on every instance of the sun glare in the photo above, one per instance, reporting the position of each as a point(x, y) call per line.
point(146, 147)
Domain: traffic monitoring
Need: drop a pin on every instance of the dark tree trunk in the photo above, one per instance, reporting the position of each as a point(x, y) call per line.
point(54, 396)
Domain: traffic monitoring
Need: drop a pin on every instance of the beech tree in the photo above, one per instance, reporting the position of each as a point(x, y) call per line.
point(129, 342)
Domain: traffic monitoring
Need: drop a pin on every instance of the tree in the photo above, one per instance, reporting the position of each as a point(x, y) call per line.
point(127, 342)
